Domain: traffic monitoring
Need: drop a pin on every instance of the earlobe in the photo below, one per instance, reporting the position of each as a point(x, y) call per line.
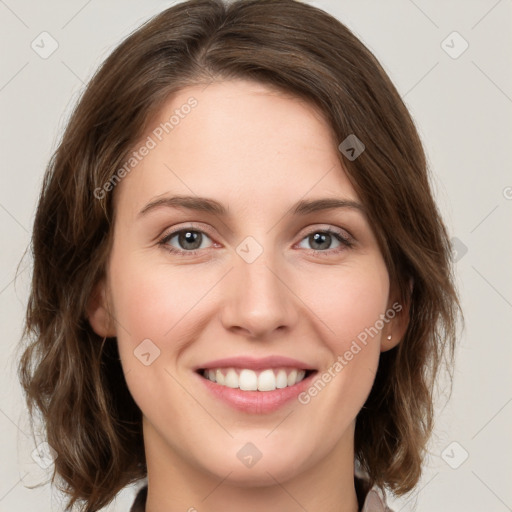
point(389, 341)
point(395, 330)
point(98, 312)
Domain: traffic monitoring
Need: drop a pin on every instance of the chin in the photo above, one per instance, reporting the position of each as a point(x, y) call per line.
point(261, 462)
point(262, 474)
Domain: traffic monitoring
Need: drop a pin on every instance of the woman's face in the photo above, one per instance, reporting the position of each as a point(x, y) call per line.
point(258, 293)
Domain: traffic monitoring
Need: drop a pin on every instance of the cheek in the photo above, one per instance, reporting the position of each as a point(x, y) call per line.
point(153, 308)
point(350, 306)
point(167, 305)
point(152, 301)
point(348, 302)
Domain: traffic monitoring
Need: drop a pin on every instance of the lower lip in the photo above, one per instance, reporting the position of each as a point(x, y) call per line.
point(256, 402)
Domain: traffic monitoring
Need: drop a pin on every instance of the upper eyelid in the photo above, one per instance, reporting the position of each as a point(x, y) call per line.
point(191, 227)
point(305, 232)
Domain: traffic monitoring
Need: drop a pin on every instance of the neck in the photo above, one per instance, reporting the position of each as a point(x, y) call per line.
point(176, 484)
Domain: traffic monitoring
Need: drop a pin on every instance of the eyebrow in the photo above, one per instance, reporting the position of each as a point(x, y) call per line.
point(301, 208)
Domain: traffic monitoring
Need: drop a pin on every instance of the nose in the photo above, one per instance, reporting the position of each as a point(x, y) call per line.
point(259, 298)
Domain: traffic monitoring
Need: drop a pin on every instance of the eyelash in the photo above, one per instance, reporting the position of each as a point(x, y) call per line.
point(164, 241)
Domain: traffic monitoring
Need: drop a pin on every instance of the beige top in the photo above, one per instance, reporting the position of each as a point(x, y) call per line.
point(374, 501)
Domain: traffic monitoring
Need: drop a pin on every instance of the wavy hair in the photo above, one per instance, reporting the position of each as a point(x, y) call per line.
point(74, 378)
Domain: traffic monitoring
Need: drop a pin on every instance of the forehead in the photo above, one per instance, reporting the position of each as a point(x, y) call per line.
point(240, 141)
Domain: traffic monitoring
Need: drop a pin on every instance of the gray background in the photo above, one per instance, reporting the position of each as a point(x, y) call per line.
point(463, 109)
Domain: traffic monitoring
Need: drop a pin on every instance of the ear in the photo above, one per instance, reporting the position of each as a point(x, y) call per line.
point(98, 312)
point(394, 330)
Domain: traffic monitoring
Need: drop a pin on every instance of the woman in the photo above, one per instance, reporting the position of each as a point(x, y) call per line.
point(285, 359)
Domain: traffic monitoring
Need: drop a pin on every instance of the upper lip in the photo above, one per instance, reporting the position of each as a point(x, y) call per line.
point(252, 363)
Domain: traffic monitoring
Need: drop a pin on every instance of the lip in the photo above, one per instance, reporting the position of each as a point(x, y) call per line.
point(252, 363)
point(255, 402)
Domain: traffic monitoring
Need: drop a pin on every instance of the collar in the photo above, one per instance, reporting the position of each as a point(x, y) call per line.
point(375, 501)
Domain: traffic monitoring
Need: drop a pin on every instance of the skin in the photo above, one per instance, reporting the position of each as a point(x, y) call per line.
point(246, 146)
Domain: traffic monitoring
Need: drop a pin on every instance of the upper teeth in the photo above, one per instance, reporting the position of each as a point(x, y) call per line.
point(249, 380)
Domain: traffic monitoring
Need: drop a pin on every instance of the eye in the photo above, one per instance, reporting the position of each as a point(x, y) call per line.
point(189, 241)
point(322, 239)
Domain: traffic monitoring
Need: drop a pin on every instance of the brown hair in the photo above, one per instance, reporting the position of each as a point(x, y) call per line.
point(74, 378)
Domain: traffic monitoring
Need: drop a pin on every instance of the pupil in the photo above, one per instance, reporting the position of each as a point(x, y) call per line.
point(321, 238)
point(190, 237)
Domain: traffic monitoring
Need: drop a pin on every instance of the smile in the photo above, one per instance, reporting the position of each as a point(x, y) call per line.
point(246, 379)
point(255, 385)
